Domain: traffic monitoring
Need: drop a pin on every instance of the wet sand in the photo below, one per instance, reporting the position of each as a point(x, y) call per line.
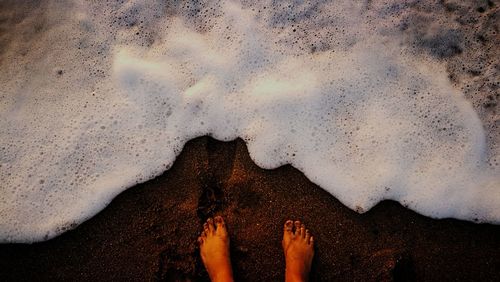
point(149, 232)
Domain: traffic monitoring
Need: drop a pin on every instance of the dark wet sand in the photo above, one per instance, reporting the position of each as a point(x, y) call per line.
point(149, 232)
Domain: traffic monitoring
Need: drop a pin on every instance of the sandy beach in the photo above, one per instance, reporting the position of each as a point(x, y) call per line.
point(148, 233)
point(95, 96)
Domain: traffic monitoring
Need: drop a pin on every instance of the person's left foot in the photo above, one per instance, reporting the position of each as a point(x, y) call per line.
point(298, 246)
point(214, 250)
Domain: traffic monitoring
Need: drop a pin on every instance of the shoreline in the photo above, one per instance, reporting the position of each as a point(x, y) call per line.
point(149, 231)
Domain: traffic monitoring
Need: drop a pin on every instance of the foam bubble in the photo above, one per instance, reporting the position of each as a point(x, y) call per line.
point(337, 90)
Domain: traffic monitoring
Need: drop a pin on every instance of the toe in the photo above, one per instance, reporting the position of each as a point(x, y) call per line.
point(219, 222)
point(297, 227)
point(308, 235)
point(205, 228)
point(311, 241)
point(200, 240)
point(287, 232)
point(221, 225)
point(211, 227)
point(288, 226)
point(303, 231)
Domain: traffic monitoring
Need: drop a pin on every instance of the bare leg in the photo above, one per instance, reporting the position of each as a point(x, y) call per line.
point(214, 250)
point(299, 251)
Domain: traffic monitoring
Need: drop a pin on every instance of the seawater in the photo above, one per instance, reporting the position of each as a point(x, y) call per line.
point(97, 97)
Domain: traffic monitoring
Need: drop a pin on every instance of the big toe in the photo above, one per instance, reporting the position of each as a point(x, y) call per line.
point(221, 225)
point(287, 232)
point(288, 228)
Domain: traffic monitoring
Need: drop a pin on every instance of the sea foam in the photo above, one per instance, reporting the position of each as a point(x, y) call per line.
point(96, 98)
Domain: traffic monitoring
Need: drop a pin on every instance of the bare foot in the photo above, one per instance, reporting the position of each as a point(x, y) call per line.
point(299, 251)
point(214, 250)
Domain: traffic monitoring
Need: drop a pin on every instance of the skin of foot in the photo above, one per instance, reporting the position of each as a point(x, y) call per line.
point(214, 250)
point(298, 245)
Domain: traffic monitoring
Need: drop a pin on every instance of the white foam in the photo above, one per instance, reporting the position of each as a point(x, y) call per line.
point(94, 103)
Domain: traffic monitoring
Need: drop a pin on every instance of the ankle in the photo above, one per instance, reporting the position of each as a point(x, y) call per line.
point(292, 275)
point(295, 271)
point(223, 274)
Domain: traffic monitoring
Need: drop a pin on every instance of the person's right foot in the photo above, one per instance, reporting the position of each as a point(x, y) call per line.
point(298, 245)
